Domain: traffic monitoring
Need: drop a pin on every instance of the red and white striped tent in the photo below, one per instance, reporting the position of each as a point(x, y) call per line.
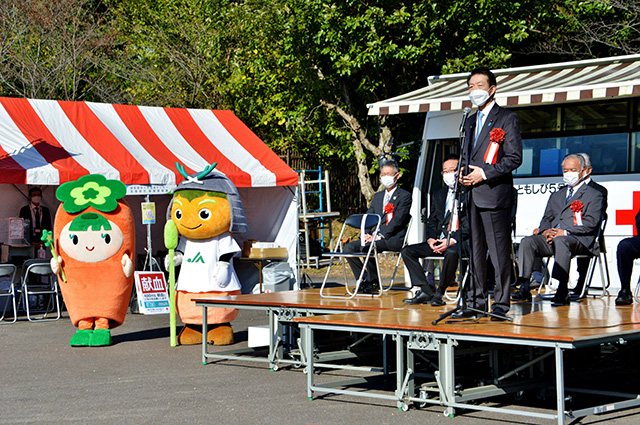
point(48, 142)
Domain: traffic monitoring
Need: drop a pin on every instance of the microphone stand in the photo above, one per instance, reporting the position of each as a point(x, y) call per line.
point(463, 305)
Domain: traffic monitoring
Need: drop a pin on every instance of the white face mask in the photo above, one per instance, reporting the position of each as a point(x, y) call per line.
point(36, 199)
point(479, 97)
point(388, 181)
point(571, 178)
point(449, 179)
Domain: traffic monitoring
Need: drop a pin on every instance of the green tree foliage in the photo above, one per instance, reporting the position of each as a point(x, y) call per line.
point(53, 49)
point(590, 28)
point(298, 72)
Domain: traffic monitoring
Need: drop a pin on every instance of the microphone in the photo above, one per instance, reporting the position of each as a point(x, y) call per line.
point(465, 114)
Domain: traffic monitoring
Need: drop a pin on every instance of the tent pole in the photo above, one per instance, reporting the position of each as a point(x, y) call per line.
point(149, 259)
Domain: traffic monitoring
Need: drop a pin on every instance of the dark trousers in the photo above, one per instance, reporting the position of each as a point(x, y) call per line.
point(411, 255)
point(490, 230)
point(628, 250)
point(562, 248)
point(371, 273)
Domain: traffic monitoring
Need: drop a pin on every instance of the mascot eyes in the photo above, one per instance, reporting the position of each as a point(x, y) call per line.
point(74, 239)
point(178, 214)
point(205, 214)
point(107, 238)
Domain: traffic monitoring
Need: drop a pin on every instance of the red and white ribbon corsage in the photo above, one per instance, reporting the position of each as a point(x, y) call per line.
point(496, 137)
point(576, 207)
point(388, 210)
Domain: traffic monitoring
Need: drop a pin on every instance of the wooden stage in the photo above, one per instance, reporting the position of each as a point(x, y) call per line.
point(584, 348)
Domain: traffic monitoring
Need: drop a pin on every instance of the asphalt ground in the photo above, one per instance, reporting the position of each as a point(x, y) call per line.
point(140, 379)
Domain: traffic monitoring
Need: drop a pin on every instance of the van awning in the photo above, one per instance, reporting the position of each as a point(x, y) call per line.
point(48, 142)
point(534, 85)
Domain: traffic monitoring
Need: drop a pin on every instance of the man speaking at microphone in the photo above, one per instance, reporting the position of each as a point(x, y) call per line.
point(493, 149)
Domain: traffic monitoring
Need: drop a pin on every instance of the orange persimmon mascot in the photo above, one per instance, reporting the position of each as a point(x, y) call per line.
point(94, 236)
point(206, 208)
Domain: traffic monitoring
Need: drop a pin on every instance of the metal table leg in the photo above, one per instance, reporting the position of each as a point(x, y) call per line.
point(560, 385)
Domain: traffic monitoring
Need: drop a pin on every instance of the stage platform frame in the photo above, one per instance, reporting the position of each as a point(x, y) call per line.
point(282, 308)
point(412, 331)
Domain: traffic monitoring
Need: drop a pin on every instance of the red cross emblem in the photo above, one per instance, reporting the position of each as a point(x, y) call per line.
point(628, 217)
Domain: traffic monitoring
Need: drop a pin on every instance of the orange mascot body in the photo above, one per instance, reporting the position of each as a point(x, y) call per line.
point(95, 239)
point(206, 209)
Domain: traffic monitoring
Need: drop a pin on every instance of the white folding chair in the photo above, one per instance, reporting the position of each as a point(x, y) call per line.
point(8, 290)
point(365, 223)
point(600, 258)
point(635, 294)
point(39, 280)
point(395, 270)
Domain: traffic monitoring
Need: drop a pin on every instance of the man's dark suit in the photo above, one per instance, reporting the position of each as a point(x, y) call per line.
point(490, 204)
point(583, 263)
point(628, 250)
point(581, 239)
point(45, 221)
point(392, 233)
point(436, 225)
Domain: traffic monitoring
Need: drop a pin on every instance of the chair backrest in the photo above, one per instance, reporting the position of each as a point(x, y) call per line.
point(370, 221)
point(7, 270)
point(602, 247)
point(36, 266)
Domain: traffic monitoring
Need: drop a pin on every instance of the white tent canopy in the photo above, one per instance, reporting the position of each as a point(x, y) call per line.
point(534, 85)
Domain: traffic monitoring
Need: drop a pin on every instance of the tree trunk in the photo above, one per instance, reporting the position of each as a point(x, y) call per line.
point(361, 142)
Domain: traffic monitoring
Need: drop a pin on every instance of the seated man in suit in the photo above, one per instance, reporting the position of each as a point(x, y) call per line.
point(393, 205)
point(628, 250)
point(583, 263)
point(569, 227)
point(440, 220)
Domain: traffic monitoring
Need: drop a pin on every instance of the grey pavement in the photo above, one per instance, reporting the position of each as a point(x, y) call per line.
point(140, 379)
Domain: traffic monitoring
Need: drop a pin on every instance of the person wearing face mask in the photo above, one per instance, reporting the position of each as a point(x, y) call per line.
point(493, 150)
point(38, 215)
point(569, 227)
point(393, 205)
point(442, 218)
point(583, 263)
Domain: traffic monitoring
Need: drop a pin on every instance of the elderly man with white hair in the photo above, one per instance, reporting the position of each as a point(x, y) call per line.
point(569, 227)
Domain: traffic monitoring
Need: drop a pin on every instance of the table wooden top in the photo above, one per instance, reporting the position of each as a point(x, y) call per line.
point(310, 298)
point(588, 320)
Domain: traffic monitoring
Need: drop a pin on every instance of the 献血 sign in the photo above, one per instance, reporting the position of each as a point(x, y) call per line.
point(151, 288)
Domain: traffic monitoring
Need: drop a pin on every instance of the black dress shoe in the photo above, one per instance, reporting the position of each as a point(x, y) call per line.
point(437, 300)
point(420, 298)
point(624, 297)
point(370, 287)
point(560, 299)
point(499, 315)
point(463, 314)
point(522, 294)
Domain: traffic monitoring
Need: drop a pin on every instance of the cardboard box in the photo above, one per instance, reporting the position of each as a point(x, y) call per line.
point(268, 253)
point(259, 336)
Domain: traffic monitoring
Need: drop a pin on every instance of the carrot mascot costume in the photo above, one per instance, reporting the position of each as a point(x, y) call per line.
point(206, 208)
point(94, 237)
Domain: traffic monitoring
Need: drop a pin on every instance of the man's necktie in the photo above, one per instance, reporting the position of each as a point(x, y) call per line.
point(478, 128)
point(387, 197)
point(449, 204)
point(569, 194)
point(36, 215)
